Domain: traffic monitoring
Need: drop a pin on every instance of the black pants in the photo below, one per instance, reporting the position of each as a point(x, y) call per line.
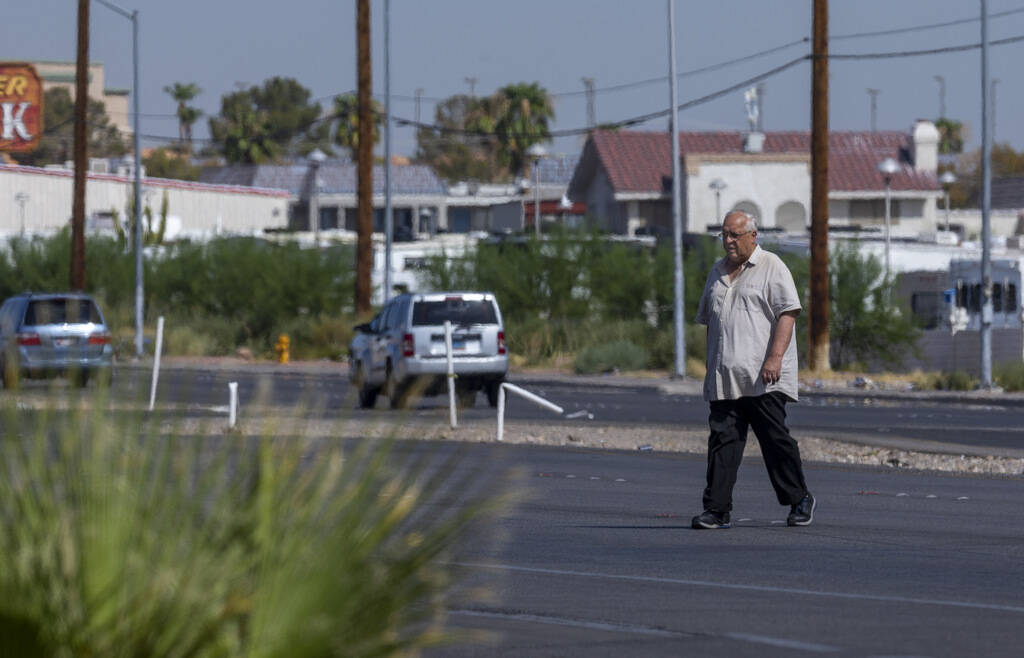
point(728, 421)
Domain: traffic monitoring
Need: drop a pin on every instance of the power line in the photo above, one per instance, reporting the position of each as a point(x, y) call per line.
point(920, 28)
point(929, 51)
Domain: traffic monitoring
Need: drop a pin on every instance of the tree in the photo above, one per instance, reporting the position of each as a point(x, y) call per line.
point(59, 117)
point(522, 112)
point(966, 192)
point(454, 154)
point(165, 163)
point(278, 115)
point(346, 120)
point(182, 93)
point(867, 325)
point(951, 135)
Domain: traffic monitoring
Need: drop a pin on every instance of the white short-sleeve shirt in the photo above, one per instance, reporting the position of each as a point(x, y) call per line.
point(740, 316)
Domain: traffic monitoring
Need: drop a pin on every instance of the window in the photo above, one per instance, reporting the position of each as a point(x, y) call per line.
point(872, 211)
point(61, 310)
point(455, 310)
point(927, 308)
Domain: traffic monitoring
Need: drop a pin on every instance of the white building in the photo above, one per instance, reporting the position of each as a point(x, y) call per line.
point(625, 179)
point(36, 200)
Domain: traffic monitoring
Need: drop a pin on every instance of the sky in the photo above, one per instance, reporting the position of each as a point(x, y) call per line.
point(223, 45)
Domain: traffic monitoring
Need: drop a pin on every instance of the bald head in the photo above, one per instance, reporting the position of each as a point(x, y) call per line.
point(741, 220)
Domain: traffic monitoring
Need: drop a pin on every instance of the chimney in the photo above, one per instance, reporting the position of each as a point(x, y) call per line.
point(753, 142)
point(926, 146)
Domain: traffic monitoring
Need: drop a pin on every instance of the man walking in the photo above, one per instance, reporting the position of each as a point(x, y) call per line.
point(749, 306)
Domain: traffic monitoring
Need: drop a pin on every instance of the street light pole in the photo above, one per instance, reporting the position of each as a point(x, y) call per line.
point(888, 168)
point(536, 153)
point(133, 16)
point(678, 321)
point(718, 185)
point(389, 214)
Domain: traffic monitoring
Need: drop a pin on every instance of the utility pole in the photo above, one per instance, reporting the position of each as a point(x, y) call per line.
point(942, 95)
point(419, 98)
point(81, 156)
point(873, 93)
point(986, 206)
point(679, 289)
point(588, 84)
point(364, 166)
point(992, 100)
point(818, 356)
point(471, 81)
point(760, 108)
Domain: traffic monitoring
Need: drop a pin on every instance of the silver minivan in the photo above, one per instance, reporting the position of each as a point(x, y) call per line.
point(51, 334)
point(402, 352)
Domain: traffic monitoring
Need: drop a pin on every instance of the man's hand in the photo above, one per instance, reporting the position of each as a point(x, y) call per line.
point(771, 371)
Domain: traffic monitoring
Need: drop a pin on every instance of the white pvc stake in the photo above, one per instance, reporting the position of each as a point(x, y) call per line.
point(451, 372)
point(156, 360)
point(232, 403)
point(501, 412)
point(526, 394)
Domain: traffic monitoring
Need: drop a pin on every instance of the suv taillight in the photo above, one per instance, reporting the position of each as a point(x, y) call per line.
point(502, 349)
point(99, 338)
point(28, 339)
point(408, 345)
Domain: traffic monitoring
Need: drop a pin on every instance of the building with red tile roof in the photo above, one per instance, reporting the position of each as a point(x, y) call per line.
point(624, 178)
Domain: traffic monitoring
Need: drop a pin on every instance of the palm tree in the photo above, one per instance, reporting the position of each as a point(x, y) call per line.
point(182, 93)
point(346, 112)
point(522, 113)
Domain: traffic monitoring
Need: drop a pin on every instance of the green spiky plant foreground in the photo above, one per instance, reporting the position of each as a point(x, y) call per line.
point(119, 539)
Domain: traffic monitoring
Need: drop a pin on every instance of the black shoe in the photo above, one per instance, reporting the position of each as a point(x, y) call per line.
point(709, 520)
point(803, 512)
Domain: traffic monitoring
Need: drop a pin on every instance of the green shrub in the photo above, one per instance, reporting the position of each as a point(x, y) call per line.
point(956, 380)
point(1010, 376)
point(608, 357)
point(233, 546)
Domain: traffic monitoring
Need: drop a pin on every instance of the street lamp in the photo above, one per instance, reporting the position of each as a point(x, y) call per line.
point(947, 179)
point(717, 186)
point(888, 168)
point(316, 158)
point(21, 198)
point(536, 153)
point(133, 16)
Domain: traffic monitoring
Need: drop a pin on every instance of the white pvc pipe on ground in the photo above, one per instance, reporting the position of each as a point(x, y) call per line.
point(232, 404)
point(524, 393)
point(451, 372)
point(156, 360)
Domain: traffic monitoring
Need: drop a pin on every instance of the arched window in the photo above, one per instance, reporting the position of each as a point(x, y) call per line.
point(751, 209)
point(791, 217)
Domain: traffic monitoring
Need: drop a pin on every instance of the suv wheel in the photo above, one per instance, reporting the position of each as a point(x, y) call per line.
point(466, 398)
point(395, 391)
point(367, 394)
point(493, 387)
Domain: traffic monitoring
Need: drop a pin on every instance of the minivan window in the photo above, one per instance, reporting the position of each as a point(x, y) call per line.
point(456, 310)
point(61, 310)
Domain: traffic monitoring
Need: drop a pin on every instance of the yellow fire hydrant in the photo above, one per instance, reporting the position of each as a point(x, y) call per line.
point(282, 348)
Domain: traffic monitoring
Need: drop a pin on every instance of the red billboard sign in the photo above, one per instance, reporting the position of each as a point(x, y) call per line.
point(21, 107)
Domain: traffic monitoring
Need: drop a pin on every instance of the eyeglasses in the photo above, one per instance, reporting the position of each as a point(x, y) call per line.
point(733, 234)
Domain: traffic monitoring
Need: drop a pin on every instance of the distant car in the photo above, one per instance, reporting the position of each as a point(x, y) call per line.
point(53, 334)
point(402, 350)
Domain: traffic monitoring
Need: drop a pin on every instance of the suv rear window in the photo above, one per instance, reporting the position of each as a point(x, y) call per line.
point(456, 310)
point(61, 310)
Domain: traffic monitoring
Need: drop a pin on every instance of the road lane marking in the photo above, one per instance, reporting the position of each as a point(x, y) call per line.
point(782, 643)
point(568, 621)
point(749, 588)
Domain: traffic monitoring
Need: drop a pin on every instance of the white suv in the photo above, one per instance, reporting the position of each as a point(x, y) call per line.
point(402, 350)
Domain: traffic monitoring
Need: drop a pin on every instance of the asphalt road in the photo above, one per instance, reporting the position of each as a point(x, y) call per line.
point(598, 559)
point(938, 426)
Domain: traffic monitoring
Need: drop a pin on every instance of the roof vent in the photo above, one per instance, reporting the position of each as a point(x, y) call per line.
point(753, 143)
